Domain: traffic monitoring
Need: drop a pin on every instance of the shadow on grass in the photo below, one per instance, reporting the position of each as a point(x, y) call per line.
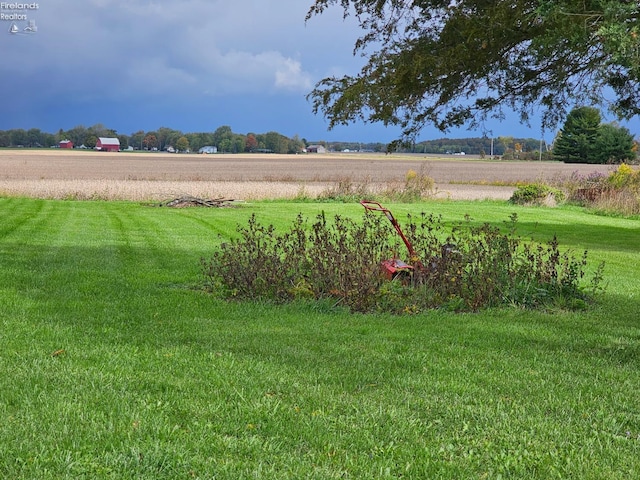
point(140, 290)
point(598, 237)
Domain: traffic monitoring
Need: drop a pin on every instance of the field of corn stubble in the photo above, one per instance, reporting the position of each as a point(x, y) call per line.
point(58, 174)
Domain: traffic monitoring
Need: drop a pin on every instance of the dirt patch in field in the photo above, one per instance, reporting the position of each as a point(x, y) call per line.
point(158, 176)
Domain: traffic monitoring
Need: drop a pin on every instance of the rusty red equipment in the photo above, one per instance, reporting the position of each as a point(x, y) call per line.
point(394, 267)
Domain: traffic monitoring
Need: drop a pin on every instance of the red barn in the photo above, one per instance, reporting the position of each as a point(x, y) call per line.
point(66, 144)
point(108, 144)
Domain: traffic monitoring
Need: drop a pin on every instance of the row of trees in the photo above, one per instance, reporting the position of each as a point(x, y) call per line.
point(33, 137)
point(227, 141)
point(504, 146)
point(583, 139)
point(223, 138)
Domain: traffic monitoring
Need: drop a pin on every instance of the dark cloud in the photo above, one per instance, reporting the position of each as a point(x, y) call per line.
point(135, 52)
point(158, 62)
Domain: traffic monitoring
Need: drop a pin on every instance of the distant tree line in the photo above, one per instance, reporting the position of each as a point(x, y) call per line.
point(583, 139)
point(226, 141)
point(223, 138)
point(26, 138)
point(506, 147)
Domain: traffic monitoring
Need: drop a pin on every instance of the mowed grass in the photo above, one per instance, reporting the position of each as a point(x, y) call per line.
point(115, 364)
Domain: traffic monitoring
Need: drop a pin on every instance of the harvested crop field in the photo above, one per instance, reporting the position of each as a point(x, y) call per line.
point(158, 176)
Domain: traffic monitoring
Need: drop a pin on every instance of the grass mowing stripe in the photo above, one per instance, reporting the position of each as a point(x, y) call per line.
point(163, 382)
point(14, 215)
point(23, 217)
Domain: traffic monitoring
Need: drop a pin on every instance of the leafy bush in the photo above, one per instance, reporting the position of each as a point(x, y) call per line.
point(625, 177)
point(536, 194)
point(465, 268)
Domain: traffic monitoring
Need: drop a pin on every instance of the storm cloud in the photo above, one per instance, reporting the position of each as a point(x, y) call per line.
point(192, 65)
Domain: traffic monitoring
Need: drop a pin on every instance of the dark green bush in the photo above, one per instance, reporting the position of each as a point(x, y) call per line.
point(536, 194)
point(466, 267)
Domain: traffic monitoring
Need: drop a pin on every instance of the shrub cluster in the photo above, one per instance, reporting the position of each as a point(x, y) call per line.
point(463, 268)
point(536, 194)
point(615, 193)
point(618, 192)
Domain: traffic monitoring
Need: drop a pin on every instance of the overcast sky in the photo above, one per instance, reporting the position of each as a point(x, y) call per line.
point(190, 65)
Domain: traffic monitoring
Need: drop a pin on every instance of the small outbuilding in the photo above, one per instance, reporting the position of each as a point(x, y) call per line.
point(208, 149)
point(316, 149)
point(65, 144)
point(106, 144)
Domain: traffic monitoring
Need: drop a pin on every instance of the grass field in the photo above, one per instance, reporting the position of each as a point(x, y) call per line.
point(115, 364)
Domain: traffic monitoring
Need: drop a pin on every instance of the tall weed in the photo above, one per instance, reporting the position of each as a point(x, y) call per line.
point(617, 193)
point(466, 267)
point(416, 186)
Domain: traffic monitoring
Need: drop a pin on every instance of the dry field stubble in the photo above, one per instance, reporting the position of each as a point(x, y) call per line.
point(148, 176)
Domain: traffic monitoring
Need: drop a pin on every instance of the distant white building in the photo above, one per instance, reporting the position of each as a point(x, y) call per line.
point(208, 149)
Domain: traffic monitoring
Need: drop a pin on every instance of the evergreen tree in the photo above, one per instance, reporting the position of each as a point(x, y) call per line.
point(614, 144)
point(577, 139)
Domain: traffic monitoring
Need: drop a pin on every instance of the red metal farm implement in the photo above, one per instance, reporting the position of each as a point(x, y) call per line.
point(394, 267)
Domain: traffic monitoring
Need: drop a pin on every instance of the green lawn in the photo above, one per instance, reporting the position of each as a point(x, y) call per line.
point(115, 364)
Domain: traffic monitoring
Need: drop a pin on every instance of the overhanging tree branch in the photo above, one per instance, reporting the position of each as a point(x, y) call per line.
point(454, 63)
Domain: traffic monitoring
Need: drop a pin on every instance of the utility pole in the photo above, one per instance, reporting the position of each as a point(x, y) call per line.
point(540, 157)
